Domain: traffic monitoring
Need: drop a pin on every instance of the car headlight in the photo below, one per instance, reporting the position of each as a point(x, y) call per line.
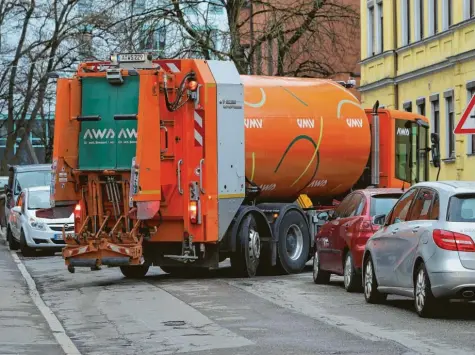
point(37, 225)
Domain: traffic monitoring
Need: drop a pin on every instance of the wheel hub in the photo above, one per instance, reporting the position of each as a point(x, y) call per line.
point(294, 242)
point(347, 273)
point(368, 280)
point(254, 244)
point(420, 291)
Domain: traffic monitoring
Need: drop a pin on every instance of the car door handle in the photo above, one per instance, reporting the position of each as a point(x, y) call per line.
point(415, 229)
point(395, 231)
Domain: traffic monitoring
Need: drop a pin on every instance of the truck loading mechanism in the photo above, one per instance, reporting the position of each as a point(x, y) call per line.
point(184, 163)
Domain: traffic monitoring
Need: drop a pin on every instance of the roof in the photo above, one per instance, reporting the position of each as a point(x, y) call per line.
point(381, 191)
point(30, 167)
point(452, 186)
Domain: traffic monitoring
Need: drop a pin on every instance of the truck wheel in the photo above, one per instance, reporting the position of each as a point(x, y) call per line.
point(24, 248)
point(134, 271)
point(294, 243)
point(245, 260)
point(12, 243)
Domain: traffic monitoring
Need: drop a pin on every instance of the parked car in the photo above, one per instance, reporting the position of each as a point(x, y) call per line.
point(29, 232)
point(20, 177)
point(425, 249)
point(340, 243)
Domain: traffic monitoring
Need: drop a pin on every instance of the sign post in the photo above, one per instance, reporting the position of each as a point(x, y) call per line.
point(466, 124)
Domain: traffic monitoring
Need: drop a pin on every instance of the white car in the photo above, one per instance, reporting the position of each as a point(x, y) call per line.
point(27, 232)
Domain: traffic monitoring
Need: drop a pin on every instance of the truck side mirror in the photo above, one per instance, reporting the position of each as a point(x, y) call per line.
point(435, 149)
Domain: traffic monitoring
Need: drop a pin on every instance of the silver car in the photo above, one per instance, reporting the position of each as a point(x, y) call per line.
point(425, 249)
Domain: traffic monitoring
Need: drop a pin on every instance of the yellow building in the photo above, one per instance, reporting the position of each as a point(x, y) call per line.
point(419, 56)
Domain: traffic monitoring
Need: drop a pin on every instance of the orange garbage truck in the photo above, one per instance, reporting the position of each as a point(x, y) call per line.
point(185, 163)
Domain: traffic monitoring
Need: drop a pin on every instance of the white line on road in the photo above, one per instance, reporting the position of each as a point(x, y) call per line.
point(58, 331)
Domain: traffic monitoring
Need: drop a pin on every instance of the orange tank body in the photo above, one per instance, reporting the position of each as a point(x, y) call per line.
point(303, 136)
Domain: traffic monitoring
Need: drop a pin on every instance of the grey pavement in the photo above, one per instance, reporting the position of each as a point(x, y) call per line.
point(104, 313)
point(23, 330)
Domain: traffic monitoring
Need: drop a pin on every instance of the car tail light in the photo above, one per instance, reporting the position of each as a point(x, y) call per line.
point(77, 218)
point(193, 209)
point(453, 241)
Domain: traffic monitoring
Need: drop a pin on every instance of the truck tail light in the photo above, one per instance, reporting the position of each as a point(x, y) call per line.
point(453, 241)
point(193, 208)
point(77, 218)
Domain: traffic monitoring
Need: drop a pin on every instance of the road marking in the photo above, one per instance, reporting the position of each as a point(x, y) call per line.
point(58, 331)
point(286, 296)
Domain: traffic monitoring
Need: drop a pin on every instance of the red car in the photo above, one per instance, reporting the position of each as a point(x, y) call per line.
point(340, 242)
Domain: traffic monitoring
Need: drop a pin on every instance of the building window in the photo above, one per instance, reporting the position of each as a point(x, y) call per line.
point(420, 13)
point(421, 106)
point(435, 114)
point(370, 31)
point(468, 9)
point(406, 25)
point(447, 14)
point(407, 106)
point(379, 28)
point(449, 125)
point(471, 141)
point(215, 8)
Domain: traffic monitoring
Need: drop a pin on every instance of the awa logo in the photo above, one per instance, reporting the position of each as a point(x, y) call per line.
point(127, 133)
point(99, 133)
point(403, 132)
point(354, 122)
point(318, 183)
point(305, 123)
point(268, 187)
point(106, 135)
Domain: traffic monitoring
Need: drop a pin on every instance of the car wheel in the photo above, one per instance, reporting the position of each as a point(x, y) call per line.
point(12, 243)
point(424, 301)
point(24, 248)
point(319, 276)
point(371, 293)
point(351, 280)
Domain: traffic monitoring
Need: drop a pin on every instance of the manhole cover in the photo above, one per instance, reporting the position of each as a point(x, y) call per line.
point(174, 323)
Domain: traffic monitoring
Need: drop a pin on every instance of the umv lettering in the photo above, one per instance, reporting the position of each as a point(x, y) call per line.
point(305, 123)
point(354, 122)
point(253, 122)
point(403, 132)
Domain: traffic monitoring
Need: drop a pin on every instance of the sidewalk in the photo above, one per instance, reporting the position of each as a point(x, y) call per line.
point(23, 330)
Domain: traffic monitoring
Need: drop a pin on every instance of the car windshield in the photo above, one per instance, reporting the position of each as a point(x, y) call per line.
point(38, 199)
point(32, 179)
point(461, 208)
point(382, 204)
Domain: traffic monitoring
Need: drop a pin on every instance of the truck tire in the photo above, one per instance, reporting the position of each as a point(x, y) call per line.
point(293, 243)
point(245, 260)
point(12, 243)
point(135, 271)
point(24, 248)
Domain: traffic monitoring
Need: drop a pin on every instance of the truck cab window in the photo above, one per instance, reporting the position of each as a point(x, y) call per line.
point(411, 155)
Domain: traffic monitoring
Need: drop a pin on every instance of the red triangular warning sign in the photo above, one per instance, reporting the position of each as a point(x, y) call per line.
point(466, 124)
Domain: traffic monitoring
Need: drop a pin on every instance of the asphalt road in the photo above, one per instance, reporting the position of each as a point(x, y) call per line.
point(103, 313)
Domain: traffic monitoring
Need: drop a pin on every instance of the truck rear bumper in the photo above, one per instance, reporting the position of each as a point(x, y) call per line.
point(103, 252)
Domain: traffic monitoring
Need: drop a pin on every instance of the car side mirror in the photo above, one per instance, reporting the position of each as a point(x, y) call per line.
point(435, 149)
point(379, 219)
point(16, 209)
